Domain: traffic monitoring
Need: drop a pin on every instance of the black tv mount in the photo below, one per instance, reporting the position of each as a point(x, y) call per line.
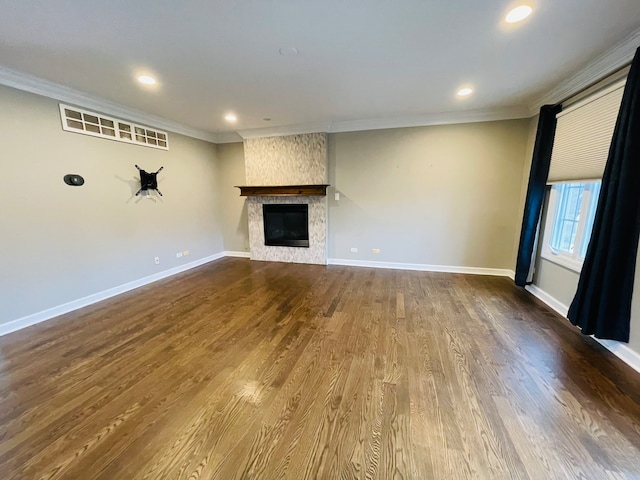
point(148, 181)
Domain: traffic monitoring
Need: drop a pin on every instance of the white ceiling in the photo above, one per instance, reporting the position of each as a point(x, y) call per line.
point(360, 63)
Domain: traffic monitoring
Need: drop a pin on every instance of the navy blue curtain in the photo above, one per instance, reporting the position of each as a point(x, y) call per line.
point(602, 305)
point(536, 189)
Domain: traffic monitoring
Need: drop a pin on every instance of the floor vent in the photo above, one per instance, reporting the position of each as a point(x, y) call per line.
point(97, 125)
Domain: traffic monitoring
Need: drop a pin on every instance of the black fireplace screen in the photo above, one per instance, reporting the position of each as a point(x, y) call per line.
point(286, 225)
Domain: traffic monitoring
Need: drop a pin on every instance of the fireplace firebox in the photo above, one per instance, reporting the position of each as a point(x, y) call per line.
point(286, 225)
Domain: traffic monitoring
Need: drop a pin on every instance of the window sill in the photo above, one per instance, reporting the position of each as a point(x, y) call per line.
point(562, 260)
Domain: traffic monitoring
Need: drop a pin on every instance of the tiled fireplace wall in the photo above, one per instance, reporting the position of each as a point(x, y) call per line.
point(290, 160)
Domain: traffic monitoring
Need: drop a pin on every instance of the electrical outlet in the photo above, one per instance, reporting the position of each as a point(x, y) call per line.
point(157, 260)
point(354, 250)
point(375, 250)
point(185, 252)
point(179, 254)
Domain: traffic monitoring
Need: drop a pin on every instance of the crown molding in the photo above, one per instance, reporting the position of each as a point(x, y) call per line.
point(446, 118)
point(39, 86)
point(228, 137)
point(604, 65)
point(285, 130)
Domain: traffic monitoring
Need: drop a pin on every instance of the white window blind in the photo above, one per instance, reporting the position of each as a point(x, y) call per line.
point(583, 136)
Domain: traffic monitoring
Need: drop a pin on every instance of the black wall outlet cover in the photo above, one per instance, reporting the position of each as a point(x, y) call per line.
point(73, 180)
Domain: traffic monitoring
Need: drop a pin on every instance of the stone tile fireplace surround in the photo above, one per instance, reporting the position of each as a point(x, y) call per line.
point(289, 160)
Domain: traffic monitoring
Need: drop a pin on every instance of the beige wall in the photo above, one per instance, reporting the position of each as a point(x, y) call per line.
point(442, 195)
point(62, 243)
point(233, 208)
point(556, 280)
point(467, 177)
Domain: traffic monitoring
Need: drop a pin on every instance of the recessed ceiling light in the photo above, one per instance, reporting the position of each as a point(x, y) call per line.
point(147, 80)
point(288, 51)
point(518, 14)
point(464, 92)
point(230, 117)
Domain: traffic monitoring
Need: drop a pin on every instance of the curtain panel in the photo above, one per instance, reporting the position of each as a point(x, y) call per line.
point(535, 192)
point(602, 304)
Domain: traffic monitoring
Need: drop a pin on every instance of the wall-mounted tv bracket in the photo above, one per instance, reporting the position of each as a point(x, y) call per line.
point(148, 181)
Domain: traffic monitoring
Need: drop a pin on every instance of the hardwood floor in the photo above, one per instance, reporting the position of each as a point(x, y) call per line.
point(252, 370)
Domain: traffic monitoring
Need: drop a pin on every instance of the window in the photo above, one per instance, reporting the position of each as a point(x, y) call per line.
point(98, 125)
point(571, 211)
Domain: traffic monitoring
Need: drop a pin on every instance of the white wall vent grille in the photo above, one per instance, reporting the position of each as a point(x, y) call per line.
point(97, 125)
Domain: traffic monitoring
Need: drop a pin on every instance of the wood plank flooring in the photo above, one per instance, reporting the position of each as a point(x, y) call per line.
point(255, 370)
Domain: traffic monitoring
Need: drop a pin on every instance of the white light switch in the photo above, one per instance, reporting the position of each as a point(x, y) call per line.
point(337, 196)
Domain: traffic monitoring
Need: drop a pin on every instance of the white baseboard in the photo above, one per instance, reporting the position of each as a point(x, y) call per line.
point(623, 352)
point(230, 253)
point(422, 267)
point(619, 349)
point(552, 302)
point(50, 313)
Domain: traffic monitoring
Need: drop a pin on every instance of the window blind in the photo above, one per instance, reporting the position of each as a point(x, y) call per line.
point(583, 136)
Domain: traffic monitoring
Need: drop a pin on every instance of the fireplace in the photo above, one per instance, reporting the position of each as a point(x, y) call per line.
point(287, 170)
point(286, 225)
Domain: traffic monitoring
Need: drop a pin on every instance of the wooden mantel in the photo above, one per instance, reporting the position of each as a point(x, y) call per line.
point(283, 190)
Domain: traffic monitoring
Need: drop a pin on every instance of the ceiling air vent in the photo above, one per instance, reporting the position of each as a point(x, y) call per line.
point(97, 125)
